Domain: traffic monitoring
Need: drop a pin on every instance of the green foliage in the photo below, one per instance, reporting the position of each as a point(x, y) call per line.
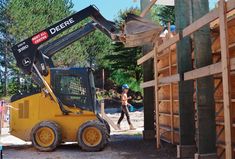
point(163, 14)
point(89, 50)
point(121, 61)
point(30, 16)
point(125, 60)
point(120, 77)
point(21, 19)
point(121, 16)
point(13, 86)
point(5, 58)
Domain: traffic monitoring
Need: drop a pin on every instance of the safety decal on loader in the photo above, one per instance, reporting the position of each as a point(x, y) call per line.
point(37, 39)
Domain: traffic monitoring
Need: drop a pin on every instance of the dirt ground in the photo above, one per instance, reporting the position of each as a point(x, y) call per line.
point(124, 144)
point(120, 147)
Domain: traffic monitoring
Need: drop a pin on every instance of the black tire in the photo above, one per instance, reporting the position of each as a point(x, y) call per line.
point(101, 128)
point(56, 131)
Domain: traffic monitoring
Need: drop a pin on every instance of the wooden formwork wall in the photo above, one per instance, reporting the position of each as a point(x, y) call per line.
point(168, 93)
point(219, 87)
point(167, 78)
point(168, 97)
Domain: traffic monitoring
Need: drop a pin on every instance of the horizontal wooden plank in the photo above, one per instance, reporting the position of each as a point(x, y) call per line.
point(231, 46)
point(207, 70)
point(147, 84)
point(206, 19)
point(145, 57)
point(190, 75)
point(230, 5)
point(202, 72)
point(168, 43)
point(232, 63)
point(169, 79)
point(211, 16)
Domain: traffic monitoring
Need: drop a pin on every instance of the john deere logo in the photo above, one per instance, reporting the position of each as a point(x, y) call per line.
point(26, 61)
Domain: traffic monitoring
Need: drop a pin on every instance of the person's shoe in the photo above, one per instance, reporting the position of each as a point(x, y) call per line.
point(132, 127)
point(118, 125)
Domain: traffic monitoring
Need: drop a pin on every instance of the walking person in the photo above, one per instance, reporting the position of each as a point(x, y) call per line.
point(124, 107)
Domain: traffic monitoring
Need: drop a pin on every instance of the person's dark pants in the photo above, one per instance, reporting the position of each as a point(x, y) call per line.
point(124, 112)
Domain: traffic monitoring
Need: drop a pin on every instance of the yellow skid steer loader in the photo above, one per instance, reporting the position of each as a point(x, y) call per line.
point(65, 108)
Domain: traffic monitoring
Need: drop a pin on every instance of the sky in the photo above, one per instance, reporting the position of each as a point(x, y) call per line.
point(110, 8)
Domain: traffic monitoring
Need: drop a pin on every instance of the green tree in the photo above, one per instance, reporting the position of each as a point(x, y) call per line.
point(163, 14)
point(6, 59)
point(91, 49)
point(121, 61)
point(21, 19)
point(30, 16)
point(123, 65)
point(125, 59)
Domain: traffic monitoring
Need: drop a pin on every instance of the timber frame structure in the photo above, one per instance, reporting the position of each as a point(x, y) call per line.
point(166, 79)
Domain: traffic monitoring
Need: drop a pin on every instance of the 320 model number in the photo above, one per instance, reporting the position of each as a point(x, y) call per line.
point(23, 48)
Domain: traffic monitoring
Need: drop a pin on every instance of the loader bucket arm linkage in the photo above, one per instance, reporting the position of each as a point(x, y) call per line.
point(49, 50)
point(30, 56)
point(26, 52)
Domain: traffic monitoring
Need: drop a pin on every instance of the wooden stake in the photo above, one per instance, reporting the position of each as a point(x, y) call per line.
point(104, 116)
point(156, 98)
point(171, 99)
point(226, 79)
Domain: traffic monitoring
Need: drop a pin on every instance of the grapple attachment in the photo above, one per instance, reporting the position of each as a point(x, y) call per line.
point(138, 31)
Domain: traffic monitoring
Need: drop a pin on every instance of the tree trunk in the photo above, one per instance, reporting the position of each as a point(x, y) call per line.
point(5, 73)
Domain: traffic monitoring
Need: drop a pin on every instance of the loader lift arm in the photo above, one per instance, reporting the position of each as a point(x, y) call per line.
point(30, 56)
point(27, 53)
point(49, 50)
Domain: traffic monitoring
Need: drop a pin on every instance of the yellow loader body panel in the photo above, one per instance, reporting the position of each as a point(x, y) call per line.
point(31, 110)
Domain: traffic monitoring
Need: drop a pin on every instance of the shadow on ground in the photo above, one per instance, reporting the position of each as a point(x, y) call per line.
point(120, 147)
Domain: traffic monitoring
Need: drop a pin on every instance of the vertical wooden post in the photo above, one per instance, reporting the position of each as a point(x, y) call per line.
point(102, 109)
point(171, 87)
point(156, 97)
point(226, 78)
point(104, 116)
point(103, 79)
point(147, 8)
point(5, 71)
point(171, 99)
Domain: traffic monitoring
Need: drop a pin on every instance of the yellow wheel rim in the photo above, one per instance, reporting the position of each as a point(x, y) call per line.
point(45, 136)
point(91, 136)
